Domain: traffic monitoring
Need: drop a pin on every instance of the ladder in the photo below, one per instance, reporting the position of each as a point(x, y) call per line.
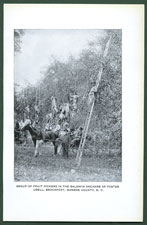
point(89, 114)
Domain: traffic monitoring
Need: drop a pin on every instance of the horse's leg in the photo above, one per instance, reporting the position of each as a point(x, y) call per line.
point(59, 149)
point(36, 149)
point(38, 143)
point(34, 142)
point(66, 150)
point(55, 148)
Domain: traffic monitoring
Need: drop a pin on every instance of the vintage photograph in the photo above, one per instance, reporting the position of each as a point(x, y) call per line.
point(73, 112)
point(67, 105)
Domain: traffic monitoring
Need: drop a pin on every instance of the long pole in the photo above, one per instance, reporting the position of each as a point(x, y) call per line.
point(87, 122)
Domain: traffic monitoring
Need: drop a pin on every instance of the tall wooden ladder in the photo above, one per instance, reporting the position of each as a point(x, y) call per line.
point(89, 114)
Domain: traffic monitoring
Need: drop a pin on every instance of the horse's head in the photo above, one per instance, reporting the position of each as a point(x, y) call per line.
point(26, 125)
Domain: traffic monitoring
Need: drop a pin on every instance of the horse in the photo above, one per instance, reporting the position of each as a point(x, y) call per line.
point(39, 137)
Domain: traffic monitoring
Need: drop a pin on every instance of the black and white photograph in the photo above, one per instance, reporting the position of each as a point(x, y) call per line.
point(73, 112)
point(68, 105)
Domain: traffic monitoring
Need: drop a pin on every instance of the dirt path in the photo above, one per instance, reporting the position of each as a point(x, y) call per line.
point(50, 168)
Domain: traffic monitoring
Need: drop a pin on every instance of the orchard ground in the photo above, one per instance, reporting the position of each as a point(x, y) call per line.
point(105, 166)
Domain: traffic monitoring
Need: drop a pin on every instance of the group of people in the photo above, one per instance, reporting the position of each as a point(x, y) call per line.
point(62, 128)
point(58, 119)
point(69, 109)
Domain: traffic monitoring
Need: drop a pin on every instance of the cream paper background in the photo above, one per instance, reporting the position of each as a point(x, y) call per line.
point(125, 203)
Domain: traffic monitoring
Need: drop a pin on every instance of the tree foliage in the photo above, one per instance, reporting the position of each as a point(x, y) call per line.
point(76, 75)
point(18, 34)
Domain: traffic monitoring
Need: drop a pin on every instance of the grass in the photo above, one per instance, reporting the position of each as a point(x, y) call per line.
point(50, 168)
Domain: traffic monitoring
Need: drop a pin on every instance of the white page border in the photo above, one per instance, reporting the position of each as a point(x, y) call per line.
point(125, 204)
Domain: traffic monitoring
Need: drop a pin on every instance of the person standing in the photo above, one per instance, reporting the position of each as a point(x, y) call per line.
point(54, 106)
point(92, 93)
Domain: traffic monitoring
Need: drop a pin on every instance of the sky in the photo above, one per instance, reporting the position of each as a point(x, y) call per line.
point(38, 47)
